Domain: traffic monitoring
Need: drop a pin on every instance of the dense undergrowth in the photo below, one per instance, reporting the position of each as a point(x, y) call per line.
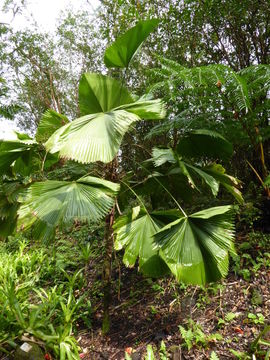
point(52, 294)
point(42, 294)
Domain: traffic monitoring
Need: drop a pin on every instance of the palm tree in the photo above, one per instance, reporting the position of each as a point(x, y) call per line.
point(193, 247)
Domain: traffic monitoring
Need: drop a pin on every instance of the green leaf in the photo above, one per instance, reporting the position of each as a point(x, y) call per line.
point(205, 143)
point(10, 151)
point(49, 204)
point(161, 156)
point(91, 138)
point(97, 136)
point(49, 123)
point(208, 179)
point(134, 233)
point(214, 356)
point(230, 183)
point(196, 247)
point(150, 353)
point(120, 53)
point(99, 93)
point(146, 109)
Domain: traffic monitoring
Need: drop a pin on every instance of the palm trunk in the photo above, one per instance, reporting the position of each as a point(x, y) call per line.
point(107, 272)
point(107, 266)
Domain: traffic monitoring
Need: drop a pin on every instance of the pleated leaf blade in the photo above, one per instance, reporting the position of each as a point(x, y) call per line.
point(49, 123)
point(196, 248)
point(49, 204)
point(100, 93)
point(134, 233)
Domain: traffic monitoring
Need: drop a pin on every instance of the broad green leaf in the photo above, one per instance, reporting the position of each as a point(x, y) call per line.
point(49, 204)
point(91, 138)
point(267, 181)
point(120, 53)
point(146, 109)
point(49, 123)
point(97, 136)
point(9, 193)
point(161, 156)
point(99, 93)
point(196, 247)
point(204, 143)
point(134, 233)
point(194, 173)
point(10, 151)
point(207, 178)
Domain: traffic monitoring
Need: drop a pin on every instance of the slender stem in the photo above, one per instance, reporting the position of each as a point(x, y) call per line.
point(256, 173)
point(107, 272)
point(137, 196)
point(43, 162)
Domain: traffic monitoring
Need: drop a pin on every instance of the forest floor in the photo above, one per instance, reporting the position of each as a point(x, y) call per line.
point(220, 321)
point(151, 319)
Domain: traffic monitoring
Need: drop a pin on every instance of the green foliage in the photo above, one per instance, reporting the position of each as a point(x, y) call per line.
point(194, 336)
point(49, 204)
point(49, 123)
point(196, 247)
point(204, 143)
point(260, 340)
point(211, 174)
point(135, 232)
point(256, 318)
point(10, 151)
point(214, 356)
point(121, 52)
point(150, 353)
point(99, 93)
point(97, 136)
point(37, 300)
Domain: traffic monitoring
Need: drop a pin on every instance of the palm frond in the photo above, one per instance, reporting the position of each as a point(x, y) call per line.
point(49, 204)
point(49, 123)
point(134, 233)
point(204, 143)
point(92, 138)
point(196, 247)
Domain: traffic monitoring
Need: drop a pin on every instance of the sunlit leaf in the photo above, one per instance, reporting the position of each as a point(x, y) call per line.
point(49, 123)
point(120, 53)
point(99, 93)
point(97, 136)
point(49, 204)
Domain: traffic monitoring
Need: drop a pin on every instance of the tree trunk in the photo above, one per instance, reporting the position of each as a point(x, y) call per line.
point(107, 272)
point(108, 242)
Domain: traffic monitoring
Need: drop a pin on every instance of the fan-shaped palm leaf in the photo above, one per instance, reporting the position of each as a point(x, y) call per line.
point(9, 193)
point(97, 137)
point(49, 123)
point(120, 53)
point(196, 247)
point(230, 183)
point(134, 233)
point(52, 203)
point(92, 138)
point(161, 156)
point(99, 93)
